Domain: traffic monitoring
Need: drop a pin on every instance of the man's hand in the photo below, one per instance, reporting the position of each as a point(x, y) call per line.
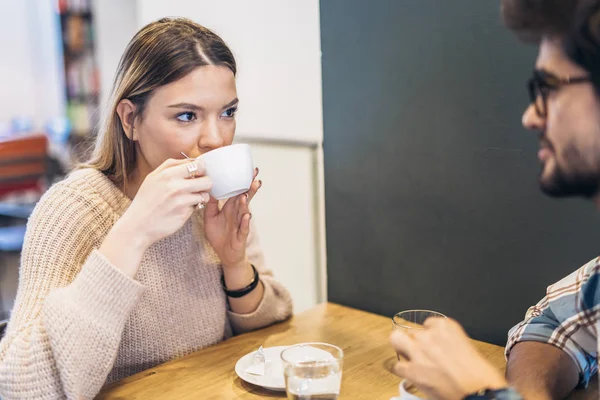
point(441, 361)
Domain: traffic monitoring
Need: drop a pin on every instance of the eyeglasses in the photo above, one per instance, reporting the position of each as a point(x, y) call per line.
point(542, 83)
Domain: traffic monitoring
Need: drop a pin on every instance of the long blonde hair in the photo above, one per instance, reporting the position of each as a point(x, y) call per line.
point(160, 53)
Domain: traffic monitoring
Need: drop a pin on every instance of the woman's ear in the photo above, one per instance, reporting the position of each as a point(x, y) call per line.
point(126, 110)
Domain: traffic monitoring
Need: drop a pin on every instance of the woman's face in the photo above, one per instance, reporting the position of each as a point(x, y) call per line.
point(193, 115)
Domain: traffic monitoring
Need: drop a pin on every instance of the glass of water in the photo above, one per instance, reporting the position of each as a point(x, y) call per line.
point(410, 320)
point(413, 319)
point(312, 371)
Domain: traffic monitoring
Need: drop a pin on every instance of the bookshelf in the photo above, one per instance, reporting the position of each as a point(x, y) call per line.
point(82, 84)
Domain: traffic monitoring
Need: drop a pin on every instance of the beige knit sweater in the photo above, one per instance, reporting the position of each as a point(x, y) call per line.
point(78, 322)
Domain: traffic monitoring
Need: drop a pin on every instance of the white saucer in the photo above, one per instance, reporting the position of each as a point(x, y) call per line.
point(273, 377)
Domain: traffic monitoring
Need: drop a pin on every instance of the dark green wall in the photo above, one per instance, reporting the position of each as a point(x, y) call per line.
point(432, 198)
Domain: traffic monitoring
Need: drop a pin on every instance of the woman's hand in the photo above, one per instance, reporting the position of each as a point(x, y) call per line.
point(227, 229)
point(166, 199)
point(442, 362)
point(164, 202)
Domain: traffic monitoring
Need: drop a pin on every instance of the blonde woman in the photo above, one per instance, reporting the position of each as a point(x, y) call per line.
point(128, 262)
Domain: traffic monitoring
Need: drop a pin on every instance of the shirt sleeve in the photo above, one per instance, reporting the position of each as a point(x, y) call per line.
point(566, 318)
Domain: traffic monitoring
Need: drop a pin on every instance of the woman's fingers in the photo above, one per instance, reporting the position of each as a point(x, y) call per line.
point(242, 208)
point(244, 228)
point(205, 199)
point(237, 209)
point(211, 208)
point(196, 185)
point(169, 163)
point(193, 199)
point(187, 169)
point(257, 184)
point(243, 201)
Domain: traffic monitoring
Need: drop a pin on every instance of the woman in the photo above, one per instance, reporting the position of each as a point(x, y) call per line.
point(128, 262)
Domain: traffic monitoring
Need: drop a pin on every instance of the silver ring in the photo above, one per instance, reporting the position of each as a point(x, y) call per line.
point(192, 169)
point(201, 205)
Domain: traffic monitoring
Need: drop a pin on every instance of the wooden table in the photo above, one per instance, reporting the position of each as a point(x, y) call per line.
point(209, 373)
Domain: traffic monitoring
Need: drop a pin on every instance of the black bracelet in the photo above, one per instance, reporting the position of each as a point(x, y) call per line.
point(502, 394)
point(236, 294)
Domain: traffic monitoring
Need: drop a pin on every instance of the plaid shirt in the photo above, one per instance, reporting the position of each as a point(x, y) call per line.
point(567, 318)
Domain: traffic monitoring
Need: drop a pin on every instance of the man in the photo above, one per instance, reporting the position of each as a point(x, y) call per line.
point(554, 349)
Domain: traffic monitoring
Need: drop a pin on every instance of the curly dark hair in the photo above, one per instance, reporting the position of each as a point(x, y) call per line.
point(533, 19)
point(576, 22)
point(582, 43)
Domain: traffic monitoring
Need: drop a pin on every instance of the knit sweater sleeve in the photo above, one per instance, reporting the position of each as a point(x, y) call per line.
point(276, 304)
point(72, 304)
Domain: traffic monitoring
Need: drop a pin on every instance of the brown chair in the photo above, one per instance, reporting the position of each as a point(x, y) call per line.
point(22, 163)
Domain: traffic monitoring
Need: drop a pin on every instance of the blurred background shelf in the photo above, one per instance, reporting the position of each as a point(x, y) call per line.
point(82, 81)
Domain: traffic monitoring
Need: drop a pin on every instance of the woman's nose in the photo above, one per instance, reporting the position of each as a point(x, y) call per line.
point(211, 137)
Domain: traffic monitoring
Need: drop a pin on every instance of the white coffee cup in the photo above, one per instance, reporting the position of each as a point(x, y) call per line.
point(405, 393)
point(231, 170)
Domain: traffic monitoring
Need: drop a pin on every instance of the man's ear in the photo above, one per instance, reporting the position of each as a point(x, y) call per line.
point(127, 110)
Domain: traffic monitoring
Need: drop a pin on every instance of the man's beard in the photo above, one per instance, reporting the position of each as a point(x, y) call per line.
point(580, 181)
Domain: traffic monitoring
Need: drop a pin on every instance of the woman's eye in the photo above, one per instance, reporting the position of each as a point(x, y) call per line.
point(229, 113)
point(186, 117)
